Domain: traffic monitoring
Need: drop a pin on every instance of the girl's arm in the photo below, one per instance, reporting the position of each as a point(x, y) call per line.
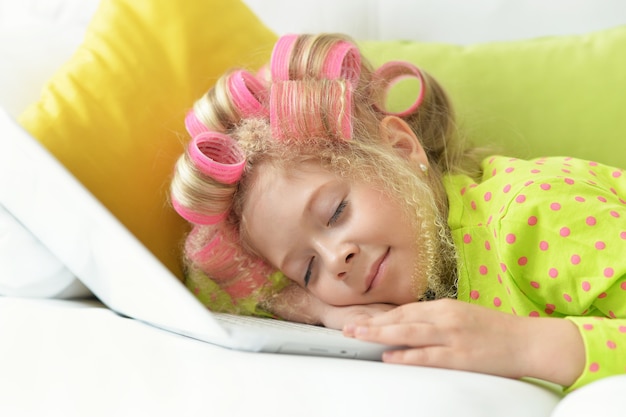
point(294, 303)
point(457, 335)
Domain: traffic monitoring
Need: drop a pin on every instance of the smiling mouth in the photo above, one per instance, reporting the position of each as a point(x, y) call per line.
point(375, 273)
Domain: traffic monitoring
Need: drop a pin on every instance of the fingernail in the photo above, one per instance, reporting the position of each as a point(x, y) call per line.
point(349, 329)
point(361, 331)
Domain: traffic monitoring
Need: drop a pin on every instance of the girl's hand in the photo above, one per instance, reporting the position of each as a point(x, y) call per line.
point(339, 317)
point(457, 335)
point(294, 303)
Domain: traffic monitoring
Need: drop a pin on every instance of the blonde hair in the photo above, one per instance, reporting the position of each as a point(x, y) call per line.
point(334, 120)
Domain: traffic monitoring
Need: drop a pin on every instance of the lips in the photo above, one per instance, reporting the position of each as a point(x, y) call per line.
point(375, 272)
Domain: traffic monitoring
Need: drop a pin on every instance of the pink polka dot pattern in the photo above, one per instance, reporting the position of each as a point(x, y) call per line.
point(540, 238)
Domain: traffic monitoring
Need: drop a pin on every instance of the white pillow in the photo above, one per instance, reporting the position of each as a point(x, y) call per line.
point(36, 38)
point(28, 268)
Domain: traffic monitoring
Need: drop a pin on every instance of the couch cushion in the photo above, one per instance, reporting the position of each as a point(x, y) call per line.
point(560, 95)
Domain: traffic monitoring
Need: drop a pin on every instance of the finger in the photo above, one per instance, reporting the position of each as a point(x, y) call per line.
point(414, 312)
point(432, 356)
point(404, 334)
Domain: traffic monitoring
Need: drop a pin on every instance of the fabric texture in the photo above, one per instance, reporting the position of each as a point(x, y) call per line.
point(114, 113)
point(545, 238)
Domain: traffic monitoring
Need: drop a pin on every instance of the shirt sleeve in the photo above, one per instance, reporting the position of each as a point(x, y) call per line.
point(564, 244)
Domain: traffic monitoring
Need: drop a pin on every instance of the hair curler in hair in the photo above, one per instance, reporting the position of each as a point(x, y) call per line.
point(326, 112)
point(393, 71)
point(318, 103)
point(220, 256)
point(343, 62)
point(218, 156)
point(193, 125)
point(248, 94)
point(281, 56)
point(195, 217)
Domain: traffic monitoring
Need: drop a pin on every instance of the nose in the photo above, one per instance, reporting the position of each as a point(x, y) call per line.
point(338, 259)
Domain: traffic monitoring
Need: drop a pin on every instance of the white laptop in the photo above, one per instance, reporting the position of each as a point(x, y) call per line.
point(121, 272)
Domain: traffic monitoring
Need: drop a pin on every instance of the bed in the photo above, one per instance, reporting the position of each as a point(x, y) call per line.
point(80, 75)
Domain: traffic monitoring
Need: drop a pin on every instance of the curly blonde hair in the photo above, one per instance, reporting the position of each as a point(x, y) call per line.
point(310, 108)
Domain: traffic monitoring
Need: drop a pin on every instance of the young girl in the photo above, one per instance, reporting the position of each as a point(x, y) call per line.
point(312, 201)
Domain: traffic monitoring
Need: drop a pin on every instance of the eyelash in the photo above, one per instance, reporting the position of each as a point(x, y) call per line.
point(307, 275)
point(333, 219)
point(340, 208)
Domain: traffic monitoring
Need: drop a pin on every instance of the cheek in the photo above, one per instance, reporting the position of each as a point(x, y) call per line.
point(332, 295)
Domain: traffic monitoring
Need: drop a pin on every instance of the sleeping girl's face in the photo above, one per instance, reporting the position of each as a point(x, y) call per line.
point(345, 241)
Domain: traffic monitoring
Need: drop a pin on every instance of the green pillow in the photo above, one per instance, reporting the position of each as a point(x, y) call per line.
point(561, 95)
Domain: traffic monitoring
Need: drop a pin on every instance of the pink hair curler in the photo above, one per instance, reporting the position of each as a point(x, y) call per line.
point(218, 156)
point(279, 62)
point(343, 61)
point(248, 94)
point(193, 125)
point(294, 118)
point(195, 217)
point(224, 261)
point(394, 71)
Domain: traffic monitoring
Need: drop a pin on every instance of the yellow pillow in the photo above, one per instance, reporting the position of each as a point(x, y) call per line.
point(113, 114)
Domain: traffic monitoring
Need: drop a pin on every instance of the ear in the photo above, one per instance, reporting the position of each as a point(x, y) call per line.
point(400, 136)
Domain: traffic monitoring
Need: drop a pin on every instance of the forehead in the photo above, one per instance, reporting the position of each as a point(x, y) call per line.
point(276, 201)
point(275, 187)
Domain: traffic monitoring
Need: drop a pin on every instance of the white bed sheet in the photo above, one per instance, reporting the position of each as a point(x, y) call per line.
point(77, 358)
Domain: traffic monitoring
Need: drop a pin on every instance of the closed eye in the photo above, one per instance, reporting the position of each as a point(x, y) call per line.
point(337, 214)
point(307, 274)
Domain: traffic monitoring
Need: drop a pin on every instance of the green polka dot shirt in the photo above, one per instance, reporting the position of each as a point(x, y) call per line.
point(547, 238)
